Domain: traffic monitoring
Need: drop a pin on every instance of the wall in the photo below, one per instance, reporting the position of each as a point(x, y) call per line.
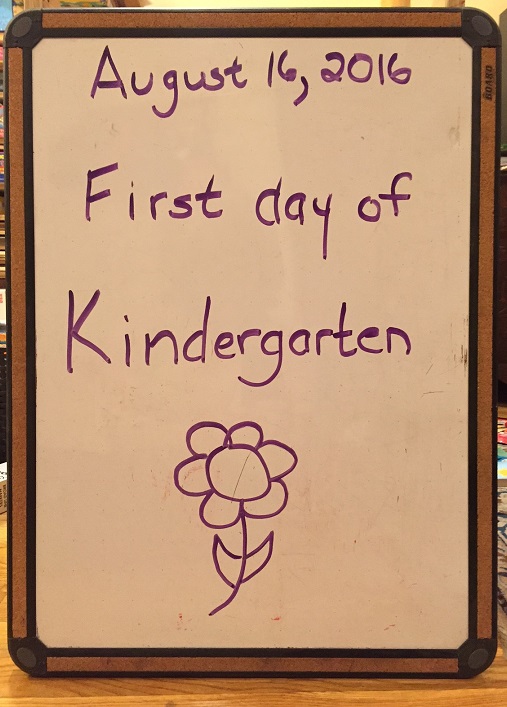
point(284, 3)
point(492, 7)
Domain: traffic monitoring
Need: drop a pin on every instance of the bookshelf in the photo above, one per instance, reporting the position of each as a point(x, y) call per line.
point(3, 350)
point(2, 173)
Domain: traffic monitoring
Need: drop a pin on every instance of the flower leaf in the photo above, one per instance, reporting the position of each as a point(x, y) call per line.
point(267, 544)
point(218, 543)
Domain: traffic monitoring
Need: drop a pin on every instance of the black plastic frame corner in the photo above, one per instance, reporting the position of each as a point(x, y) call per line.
point(29, 654)
point(479, 29)
point(475, 656)
point(25, 30)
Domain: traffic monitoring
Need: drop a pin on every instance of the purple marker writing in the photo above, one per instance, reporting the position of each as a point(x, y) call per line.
point(262, 351)
point(268, 210)
point(159, 205)
point(109, 77)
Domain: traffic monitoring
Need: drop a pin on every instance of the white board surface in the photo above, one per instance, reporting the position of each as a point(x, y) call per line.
point(371, 547)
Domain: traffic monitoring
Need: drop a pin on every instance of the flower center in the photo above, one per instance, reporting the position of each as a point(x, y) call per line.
point(238, 473)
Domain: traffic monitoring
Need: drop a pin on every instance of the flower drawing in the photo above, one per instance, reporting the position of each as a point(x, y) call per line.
point(240, 477)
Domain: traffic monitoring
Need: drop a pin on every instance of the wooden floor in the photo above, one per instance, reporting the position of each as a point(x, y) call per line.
point(16, 688)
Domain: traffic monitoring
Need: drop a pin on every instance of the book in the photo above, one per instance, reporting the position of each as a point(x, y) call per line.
point(3, 487)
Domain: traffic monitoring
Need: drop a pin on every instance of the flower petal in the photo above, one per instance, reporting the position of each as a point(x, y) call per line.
point(271, 505)
point(190, 476)
point(279, 458)
point(217, 512)
point(204, 437)
point(245, 433)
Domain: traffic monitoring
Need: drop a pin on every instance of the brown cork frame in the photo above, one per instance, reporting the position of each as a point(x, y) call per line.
point(18, 481)
point(257, 20)
point(485, 566)
point(26, 650)
point(255, 665)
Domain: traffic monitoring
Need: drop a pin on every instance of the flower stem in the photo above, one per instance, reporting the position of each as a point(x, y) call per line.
point(242, 569)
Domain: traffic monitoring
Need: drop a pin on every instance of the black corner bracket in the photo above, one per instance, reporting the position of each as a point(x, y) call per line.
point(479, 29)
point(25, 30)
point(29, 654)
point(475, 656)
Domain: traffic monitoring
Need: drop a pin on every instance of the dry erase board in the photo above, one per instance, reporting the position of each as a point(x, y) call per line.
point(251, 296)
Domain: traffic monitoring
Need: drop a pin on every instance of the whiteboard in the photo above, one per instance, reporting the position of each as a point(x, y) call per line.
point(255, 342)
